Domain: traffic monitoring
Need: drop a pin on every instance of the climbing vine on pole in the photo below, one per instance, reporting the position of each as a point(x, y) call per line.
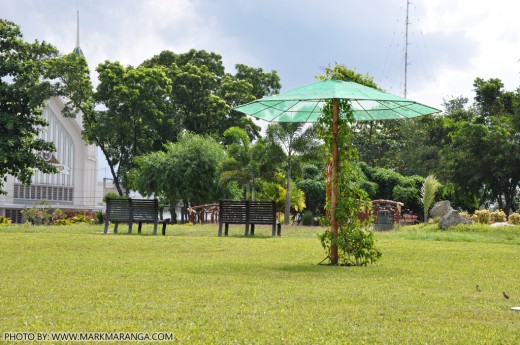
point(353, 244)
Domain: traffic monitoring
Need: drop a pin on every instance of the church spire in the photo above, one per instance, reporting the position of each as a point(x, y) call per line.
point(78, 50)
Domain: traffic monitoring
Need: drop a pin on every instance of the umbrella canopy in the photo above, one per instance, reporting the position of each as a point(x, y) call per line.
point(304, 104)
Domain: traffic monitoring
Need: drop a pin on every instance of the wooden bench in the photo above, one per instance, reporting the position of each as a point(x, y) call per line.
point(133, 210)
point(248, 212)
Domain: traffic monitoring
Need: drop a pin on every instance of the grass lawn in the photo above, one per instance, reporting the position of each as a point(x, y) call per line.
point(262, 290)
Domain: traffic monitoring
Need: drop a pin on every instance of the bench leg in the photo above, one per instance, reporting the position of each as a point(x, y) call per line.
point(164, 229)
point(155, 228)
point(220, 229)
point(139, 228)
point(106, 226)
point(115, 228)
point(130, 227)
point(279, 226)
point(252, 230)
point(247, 229)
point(273, 233)
point(226, 228)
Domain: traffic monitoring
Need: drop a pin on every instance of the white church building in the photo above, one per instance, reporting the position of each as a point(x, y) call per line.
point(75, 186)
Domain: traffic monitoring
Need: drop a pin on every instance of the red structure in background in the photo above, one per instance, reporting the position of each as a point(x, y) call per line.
point(387, 213)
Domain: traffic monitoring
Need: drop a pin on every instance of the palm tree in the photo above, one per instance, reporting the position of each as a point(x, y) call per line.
point(244, 162)
point(428, 191)
point(294, 138)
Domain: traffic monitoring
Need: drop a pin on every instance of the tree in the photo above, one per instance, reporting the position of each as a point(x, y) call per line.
point(203, 93)
point(138, 110)
point(428, 192)
point(135, 113)
point(482, 155)
point(126, 116)
point(23, 92)
point(293, 138)
point(313, 185)
point(247, 162)
point(187, 170)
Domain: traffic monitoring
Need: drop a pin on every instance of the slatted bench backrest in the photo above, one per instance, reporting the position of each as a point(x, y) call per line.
point(145, 209)
point(232, 211)
point(119, 210)
point(262, 212)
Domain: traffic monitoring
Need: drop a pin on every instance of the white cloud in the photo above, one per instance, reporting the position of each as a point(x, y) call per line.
point(492, 27)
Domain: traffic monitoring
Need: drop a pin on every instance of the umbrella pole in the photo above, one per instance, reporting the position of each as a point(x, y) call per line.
point(334, 183)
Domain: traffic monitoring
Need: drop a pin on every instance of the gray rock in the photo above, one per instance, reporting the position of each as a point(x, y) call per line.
point(440, 209)
point(452, 218)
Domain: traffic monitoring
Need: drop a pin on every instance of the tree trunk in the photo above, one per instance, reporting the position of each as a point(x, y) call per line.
point(248, 190)
point(334, 183)
point(287, 215)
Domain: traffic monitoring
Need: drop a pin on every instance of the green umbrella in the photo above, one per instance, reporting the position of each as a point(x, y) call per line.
point(304, 104)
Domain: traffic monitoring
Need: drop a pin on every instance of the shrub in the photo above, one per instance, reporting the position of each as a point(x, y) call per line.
point(514, 218)
point(357, 246)
point(39, 214)
point(62, 221)
point(112, 195)
point(4, 220)
point(83, 217)
point(465, 215)
point(483, 216)
point(100, 217)
point(497, 216)
point(308, 218)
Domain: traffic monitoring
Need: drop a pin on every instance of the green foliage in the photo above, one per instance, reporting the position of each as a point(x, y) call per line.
point(112, 195)
point(314, 187)
point(4, 221)
point(428, 192)
point(204, 93)
point(247, 163)
point(188, 170)
point(39, 214)
point(23, 92)
point(355, 244)
point(100, 217)
point(478, 158)
point(387, 184)
point(308, 218)
point(293, 139)
point(275, 191)
point(135, 110)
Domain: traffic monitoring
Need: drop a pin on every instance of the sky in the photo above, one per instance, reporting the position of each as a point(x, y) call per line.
point(450, 43)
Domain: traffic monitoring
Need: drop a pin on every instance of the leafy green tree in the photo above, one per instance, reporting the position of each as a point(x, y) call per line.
point(387, 184)
point(481, 158)
point(23, 92)
point(294, 138)
point(203, 93)
point(126, 116)
point(187, 170)
point(313, 184)
point(247, 162)
point(134, 114)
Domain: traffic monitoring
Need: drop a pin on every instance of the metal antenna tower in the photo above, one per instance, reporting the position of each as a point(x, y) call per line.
point(406, 48)
point(77, 28)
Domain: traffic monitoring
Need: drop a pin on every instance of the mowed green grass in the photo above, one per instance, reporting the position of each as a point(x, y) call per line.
point(262, 290)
